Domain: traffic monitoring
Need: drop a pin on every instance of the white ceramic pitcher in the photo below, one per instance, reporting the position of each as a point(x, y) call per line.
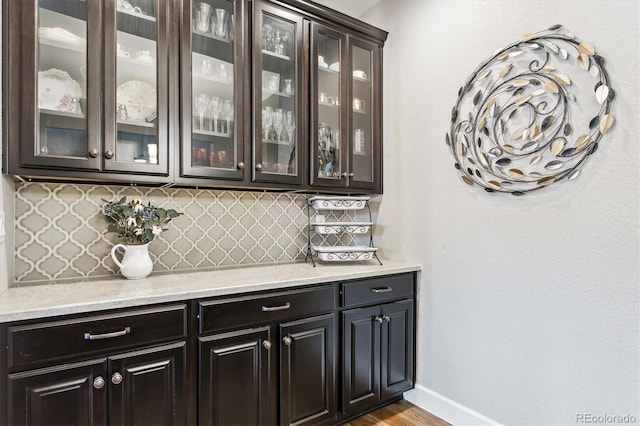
point(136, 262)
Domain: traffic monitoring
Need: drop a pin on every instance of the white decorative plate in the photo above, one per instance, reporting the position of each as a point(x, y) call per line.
point(335, 66)
point(61, 35)
point(56, 88)
point(139, 98)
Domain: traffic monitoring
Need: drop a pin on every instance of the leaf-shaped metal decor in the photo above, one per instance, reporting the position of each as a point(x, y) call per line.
point(537, 120)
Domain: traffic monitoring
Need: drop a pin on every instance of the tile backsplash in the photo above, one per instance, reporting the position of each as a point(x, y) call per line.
point(60, 230)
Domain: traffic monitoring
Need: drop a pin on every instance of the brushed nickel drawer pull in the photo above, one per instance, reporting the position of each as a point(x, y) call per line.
point(381, 290)
point(276, 308)
point(89, 336)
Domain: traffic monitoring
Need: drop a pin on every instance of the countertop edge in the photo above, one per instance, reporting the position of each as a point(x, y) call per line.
point(30, 302)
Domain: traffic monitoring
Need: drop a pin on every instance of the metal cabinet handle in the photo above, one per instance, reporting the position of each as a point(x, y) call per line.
point(89, 336)
point(378, 320)
point(266, 344)
point(287, 340)
point(241, 165)
point(387, 318)
point(258, 167)
point(108, 154)
point(276, 308)
point(98, 382)
point(116, 379)
point(93, 153)
point(381, 290)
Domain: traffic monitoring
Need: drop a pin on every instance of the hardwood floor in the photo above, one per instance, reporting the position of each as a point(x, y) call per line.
point(401, 413)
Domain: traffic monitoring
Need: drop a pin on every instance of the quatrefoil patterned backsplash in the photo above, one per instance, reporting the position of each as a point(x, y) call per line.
point(60, 230)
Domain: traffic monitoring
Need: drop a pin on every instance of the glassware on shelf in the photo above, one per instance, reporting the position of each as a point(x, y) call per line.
point(220, 27)
point(213, 107)
point(278, 123)
point(227, 115)
point(201, 108)
point(203, 17)
point(290, 126)
point(267, 117)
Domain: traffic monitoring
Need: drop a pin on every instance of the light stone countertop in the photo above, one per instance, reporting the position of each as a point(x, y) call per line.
point(41, 301)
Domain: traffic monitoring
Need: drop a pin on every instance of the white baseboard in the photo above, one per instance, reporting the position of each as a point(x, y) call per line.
point(445, 408)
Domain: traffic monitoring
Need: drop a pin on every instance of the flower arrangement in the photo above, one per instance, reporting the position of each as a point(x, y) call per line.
point(135, 223)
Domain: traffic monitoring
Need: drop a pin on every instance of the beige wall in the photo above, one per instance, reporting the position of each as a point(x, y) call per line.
point(528, 309)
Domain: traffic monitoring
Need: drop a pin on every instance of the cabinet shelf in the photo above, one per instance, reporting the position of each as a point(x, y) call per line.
point(212, 36)
point(328, 105)
point(78, 116)
point(275, 55)
point(362, 80)
point(210, 133)
point(137, 15)
point(135, 123)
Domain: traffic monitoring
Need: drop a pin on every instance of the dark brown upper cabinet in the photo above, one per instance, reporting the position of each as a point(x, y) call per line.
point(257, 94)
point(213, 36)
point(345, 111)
point(278, 117)
point(87, 88)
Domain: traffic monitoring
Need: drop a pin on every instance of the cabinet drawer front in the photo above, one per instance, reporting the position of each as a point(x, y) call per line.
point(58, 340)
point(240, 312)
point(376, 290)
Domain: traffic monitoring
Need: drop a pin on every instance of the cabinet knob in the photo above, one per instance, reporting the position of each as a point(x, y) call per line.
point(116, 379)
point(93, 153)
point(351, 174)
point(287, 340)
point(241, 165)
point(387, 318)
point(345, 174)
point(379, 320)
point(258, 167)
point(266, 344)
point(108, 155)
point(98, 382)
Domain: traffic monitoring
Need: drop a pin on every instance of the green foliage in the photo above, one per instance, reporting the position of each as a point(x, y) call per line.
point(135, 223)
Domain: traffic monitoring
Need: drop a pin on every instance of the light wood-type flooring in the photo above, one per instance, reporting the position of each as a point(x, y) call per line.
point(401, 413)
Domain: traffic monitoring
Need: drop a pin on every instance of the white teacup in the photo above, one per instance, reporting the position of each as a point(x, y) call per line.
point(359, 74)
point(121, 51)
point(144, 55)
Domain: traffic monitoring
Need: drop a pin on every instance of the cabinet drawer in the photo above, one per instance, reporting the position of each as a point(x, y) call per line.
point(95, 334)
point(246, 311)
point(376, 290)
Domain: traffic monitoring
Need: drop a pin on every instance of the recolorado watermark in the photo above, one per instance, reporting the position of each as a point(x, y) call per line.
point(589, 418)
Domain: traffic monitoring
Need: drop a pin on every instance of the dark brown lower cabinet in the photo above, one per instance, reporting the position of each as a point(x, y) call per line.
point(241, 384)
point(377, 361)
point(307, 371)
point(236, 378)
point(144, 387)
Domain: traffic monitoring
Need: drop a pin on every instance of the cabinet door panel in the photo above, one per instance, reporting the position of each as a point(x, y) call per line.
point(212, 84)
point(60, 395)
point(150, 389)
point(307, 371)
point(137, 87)
point(397, 348)
point(361, 362)
point(236, 378)
point(365, 131)
point(59, 110)
point(328, 97)
point(278, 87)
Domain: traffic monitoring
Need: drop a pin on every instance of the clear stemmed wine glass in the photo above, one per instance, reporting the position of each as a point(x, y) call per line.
point(214, 110)
point(227, 114)
point(278, 123)
point(289, 125)
point(267, 120)
point(201, 107)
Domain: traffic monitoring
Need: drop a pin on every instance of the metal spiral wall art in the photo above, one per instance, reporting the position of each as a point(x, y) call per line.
point(532, 114)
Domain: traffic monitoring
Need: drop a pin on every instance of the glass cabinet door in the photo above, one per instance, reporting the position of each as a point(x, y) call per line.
point(328, 94)
point(365, 117)
point(212, 89)
point(276, 100)
point(63, 85)
point(136, 97)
